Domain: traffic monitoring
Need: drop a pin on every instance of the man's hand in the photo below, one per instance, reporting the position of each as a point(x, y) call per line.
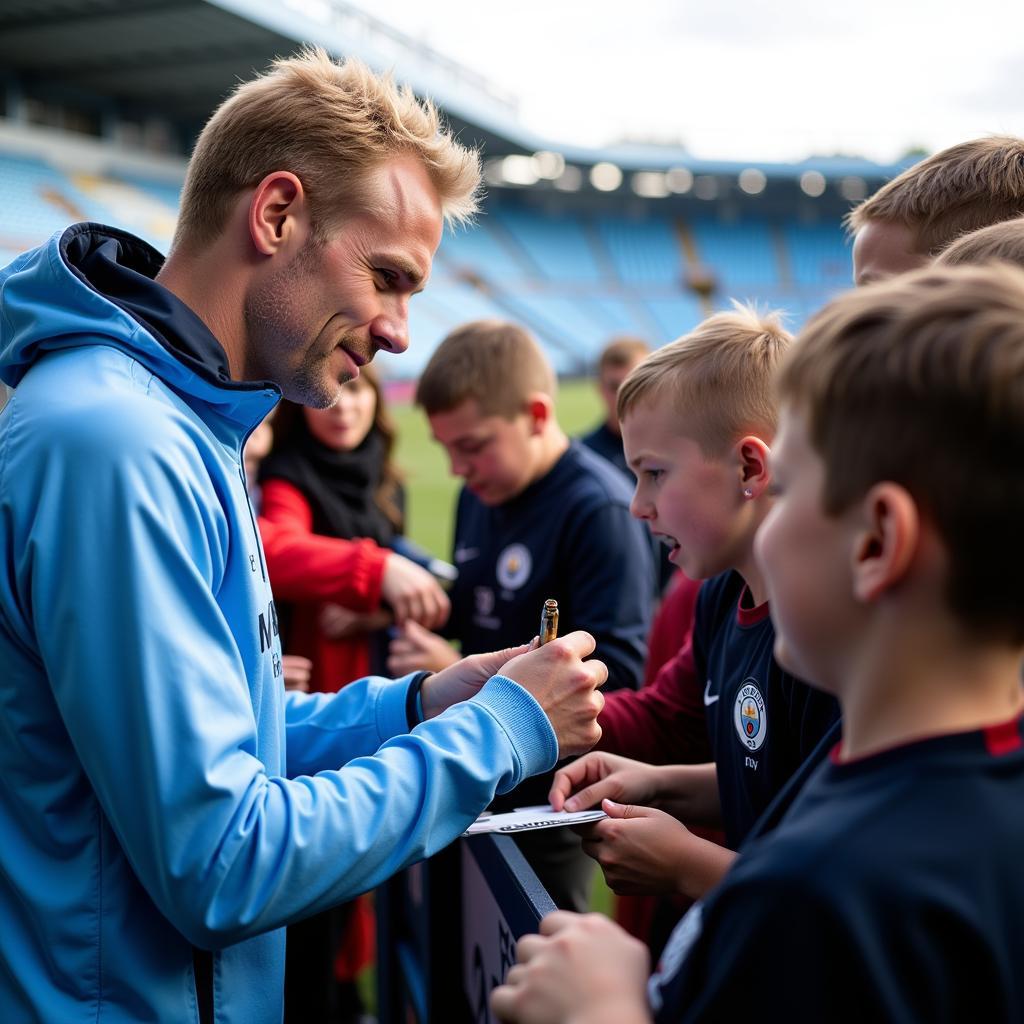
point(591, 779)
point(416, 648)
point(644, 851)
point(565, 686)
point(459, 681)
point(413, 593)
point(296, 671)
point(581, 967)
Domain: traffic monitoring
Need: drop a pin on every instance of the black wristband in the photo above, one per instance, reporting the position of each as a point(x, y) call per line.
point(412, 715)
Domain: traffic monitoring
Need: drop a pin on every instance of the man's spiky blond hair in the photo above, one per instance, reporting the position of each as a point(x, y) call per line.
point(329, 123)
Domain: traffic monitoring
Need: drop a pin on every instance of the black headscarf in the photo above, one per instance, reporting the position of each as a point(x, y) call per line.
point(339, 486)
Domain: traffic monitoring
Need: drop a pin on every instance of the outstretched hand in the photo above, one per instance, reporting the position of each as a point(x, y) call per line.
point(597, 776)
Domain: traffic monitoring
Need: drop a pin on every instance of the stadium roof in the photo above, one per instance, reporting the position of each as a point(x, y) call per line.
point(181, 57)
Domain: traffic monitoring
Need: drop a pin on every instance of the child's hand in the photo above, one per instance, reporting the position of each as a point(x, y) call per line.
point(416, 648)
point(580, 967)
point(596, 776)
point(647, 852)
point(297, 671)
point(413, 594)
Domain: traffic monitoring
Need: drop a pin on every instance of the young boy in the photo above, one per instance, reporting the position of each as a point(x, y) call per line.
point(911, 218)
point(697, 419)
point(539, 517)
point(892, 889)
point(614, 364)
point(1003, 241)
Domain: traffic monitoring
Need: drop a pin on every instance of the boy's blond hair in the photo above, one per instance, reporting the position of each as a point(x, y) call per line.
point(495, 363)
point(718, 378)
point(919, 380)
point(960, 189)
point(1003, 241)
point(329, 123)
point(622, 352)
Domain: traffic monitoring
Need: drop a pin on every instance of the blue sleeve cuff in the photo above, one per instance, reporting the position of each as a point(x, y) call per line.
point(524, 721)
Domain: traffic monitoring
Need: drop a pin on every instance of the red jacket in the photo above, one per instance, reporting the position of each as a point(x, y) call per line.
point(308, 571)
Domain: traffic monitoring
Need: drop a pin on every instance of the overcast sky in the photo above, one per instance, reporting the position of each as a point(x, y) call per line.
point(743, 79)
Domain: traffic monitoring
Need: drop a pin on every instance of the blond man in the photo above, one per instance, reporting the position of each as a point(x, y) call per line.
point(168, 807)
point(917, 214)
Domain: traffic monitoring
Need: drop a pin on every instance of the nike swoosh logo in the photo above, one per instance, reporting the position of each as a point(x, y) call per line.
point(465, 554)
point(709, 699)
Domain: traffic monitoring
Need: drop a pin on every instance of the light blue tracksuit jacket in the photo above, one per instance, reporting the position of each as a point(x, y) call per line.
point(160, 793)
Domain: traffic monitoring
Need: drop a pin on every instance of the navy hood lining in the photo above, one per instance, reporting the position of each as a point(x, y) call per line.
point(122, 269)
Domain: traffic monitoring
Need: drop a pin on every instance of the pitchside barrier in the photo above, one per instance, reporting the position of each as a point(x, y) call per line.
point(447, 930)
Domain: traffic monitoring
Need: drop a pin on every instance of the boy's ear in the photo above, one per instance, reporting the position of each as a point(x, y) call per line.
point(886, 542)
point(278, 214)
point(752, 456)
point(540, 410)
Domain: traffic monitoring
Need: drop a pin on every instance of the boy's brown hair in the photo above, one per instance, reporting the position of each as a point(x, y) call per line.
point(959, 189)
point(329, 123)
point(498, 364)
point(622, 352)
point(1003, 241)
point(719, 378)
point(919, 380)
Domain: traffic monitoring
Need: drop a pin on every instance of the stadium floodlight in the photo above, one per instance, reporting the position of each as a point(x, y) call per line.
point(570, 180)
point(853, 188)
point(679, 180)
point(650, 184)
point(705, 186)
point(752, 181)
point(605, 176)
point(813, 183)
point(492, 171)
point(549, 165)
point(519, 170)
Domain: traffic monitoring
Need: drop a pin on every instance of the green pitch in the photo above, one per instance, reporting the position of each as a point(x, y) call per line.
point(430, 489)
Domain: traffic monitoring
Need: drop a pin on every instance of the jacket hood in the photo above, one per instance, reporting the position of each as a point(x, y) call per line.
point(92, 284)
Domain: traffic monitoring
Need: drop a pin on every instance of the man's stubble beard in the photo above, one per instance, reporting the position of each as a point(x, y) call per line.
point(272, 313)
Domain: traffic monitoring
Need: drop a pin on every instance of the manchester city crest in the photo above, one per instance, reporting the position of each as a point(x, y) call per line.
point(749, 715)
point(514, 566)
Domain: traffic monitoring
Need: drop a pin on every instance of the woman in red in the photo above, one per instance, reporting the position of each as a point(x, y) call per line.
point(330, 475)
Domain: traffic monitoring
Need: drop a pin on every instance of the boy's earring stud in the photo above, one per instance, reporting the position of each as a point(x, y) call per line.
point(747, 493)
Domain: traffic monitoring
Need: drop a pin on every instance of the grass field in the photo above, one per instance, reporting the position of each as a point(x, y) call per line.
point(430, 489)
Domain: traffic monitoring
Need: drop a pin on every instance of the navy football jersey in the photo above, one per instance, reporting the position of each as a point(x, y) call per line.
point(762, 722)
point(891, 891)
point(568, 536)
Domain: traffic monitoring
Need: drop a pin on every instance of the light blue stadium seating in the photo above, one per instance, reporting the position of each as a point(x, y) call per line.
point(818, 254)
point(642, 251)
point(557, 246)
point(740, 254)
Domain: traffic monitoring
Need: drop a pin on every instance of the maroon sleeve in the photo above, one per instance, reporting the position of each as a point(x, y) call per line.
point(672, 625)
point(663, 723)
point(305, 566)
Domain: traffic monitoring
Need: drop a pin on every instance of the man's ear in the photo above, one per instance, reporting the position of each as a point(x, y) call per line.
point(887, 541)
point(752, 458)
point(540, 410)
point(278, 214)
